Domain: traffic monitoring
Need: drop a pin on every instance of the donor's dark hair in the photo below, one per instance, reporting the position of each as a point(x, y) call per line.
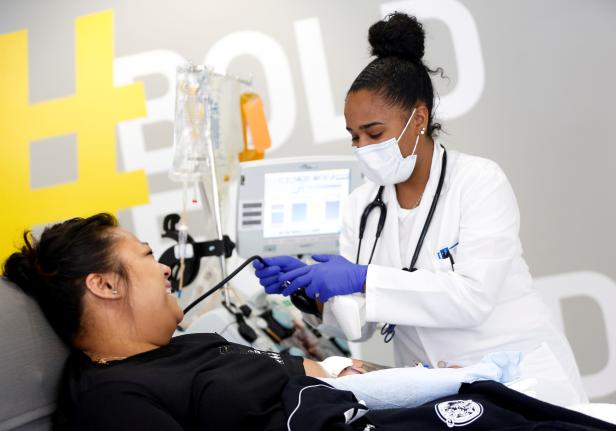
point(53, 268)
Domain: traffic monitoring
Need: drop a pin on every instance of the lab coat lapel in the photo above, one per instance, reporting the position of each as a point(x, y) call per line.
point(389, 253)
point(424, 207)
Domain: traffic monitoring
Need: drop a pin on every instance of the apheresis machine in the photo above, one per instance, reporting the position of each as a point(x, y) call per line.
point(259, 208)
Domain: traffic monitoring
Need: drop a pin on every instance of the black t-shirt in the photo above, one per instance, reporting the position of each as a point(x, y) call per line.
point(196, 382)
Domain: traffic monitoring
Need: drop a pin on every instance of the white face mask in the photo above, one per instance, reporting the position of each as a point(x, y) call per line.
point(383, 163)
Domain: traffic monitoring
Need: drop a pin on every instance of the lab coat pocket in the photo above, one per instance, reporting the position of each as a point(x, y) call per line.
point(553, 385)
point(444, 256)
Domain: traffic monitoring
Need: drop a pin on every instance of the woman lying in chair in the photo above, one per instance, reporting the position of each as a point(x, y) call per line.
point(108, 298)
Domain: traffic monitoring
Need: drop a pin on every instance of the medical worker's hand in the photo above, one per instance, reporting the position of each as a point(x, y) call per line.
point(334, 275)
point(275, 266)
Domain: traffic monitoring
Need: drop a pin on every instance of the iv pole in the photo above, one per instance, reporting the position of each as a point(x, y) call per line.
point(216, 196)
point(217, 212)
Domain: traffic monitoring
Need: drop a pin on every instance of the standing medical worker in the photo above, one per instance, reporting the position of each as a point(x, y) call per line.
point(439, 257)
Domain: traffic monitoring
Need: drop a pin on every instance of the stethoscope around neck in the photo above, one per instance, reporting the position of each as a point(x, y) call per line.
point(389, 330)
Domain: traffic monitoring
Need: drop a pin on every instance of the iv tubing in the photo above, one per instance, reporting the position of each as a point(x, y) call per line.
point(222, 283)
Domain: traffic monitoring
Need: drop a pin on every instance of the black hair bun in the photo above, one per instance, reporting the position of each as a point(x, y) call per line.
point(398, 35)
point(21, 269)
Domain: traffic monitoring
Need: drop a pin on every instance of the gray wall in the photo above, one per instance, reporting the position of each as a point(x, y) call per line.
point(544, 112)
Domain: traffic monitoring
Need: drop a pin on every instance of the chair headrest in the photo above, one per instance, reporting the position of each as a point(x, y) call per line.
point(31, 360)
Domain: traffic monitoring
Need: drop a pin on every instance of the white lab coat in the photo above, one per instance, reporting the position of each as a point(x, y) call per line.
point(487, 304)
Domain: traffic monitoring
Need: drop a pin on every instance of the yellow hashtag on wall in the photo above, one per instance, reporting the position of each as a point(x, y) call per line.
point(92, 114)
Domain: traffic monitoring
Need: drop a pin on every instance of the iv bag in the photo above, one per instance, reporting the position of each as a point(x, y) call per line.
point(226, 124)
point(192, 124)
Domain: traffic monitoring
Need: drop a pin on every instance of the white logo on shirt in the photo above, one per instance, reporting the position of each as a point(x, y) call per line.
point(458, 413)
point(275, 356)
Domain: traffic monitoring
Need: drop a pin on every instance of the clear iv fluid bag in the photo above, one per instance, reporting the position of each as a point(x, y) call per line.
point(192, 124)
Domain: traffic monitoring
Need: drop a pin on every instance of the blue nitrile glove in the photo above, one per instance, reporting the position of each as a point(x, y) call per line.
point(334, 275)
point(275, 266)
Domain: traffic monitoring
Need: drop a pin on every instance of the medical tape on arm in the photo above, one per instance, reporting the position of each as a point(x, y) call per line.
point(334, 365)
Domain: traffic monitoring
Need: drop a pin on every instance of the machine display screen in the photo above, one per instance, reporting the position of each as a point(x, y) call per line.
point(304, 203)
